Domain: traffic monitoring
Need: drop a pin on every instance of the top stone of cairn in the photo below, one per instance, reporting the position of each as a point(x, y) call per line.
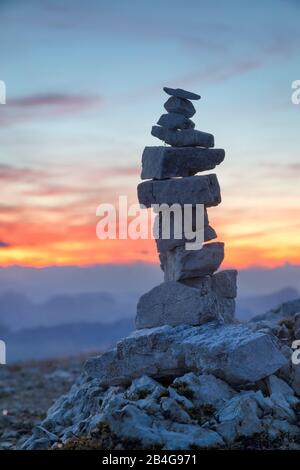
point(179, 93)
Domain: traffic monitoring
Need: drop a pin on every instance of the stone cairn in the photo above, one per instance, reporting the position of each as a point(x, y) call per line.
point(170, 171)
point(186, 324)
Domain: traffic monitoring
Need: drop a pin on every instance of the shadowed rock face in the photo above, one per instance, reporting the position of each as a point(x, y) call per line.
point(183, 138)
point(179, 264)
point(232, 352)
point(193, 190)
point(173, 303)
point(175, 121)
point(180, 105)
point(168, 162)
point(179, 93)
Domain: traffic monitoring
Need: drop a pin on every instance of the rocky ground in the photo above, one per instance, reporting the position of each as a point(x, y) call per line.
point(27, 391)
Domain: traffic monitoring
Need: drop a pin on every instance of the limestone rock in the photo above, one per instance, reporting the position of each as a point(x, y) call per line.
point(179, 93)
point(278, 386)
point(166, 244)
point(224, 283)
point(183, 138)
point(181, 264)
point(206, 389)
point(173, 303)
point(175, 121)
point(193, 190)
point(168, 162)
point(286, 310)
point(231, 352)
point(241, 415)
point(180, 106)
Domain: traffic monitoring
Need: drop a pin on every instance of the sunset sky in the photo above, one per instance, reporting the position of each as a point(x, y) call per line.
point(84, 86)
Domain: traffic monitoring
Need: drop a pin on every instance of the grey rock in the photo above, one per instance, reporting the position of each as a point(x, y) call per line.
point(175, 121)
point(242, 414)
point(172, 410)
point(167, 162)
point(166, 244)
point(180, 106)
point(180, 263)
point(296, 378)
point(193, 190)
point(231, 352)
point(206, 389)
point(183, 138)
point(278, 386)
point(173, 303)
point(281, 408)
point(143, 385)
point(180, 93)
point(224, 283)
point(286, 310)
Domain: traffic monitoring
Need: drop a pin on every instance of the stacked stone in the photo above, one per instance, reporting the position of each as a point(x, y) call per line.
point(192, 293)
point(186, 323)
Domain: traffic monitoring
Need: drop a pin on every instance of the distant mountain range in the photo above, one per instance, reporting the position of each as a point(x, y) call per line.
point(72, 324)
point(62, 340)
point(250, 306)
point(17, 311)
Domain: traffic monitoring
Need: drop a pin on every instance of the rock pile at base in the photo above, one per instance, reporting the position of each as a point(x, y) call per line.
point(191, 411)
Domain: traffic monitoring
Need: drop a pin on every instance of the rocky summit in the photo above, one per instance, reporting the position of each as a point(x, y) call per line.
point(190, 375)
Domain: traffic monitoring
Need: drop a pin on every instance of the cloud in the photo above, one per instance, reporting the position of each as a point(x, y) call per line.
point(58, 100)
point(4, 244)
point(45, 106)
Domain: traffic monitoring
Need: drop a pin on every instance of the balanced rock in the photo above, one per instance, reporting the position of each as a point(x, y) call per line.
point(229, 351)
point(173, 303)
point(181, 264)
point(224, 283)
point(183, 138)
point(180, 106)
point(169, 243)
point(193, 190)
point(175, 121)
point(180, 93)
point(167, 162)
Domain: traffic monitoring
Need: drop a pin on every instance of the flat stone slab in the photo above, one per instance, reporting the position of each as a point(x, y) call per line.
point(180, 106)
point(183, 138)
point(203, 189)
point(180, 93)
point(175, 121)
point(173, 303)
point(167, 162)
point(181, 264)
point(232, 352)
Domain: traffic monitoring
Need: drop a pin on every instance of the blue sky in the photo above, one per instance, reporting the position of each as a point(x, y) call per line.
point(84, 86)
